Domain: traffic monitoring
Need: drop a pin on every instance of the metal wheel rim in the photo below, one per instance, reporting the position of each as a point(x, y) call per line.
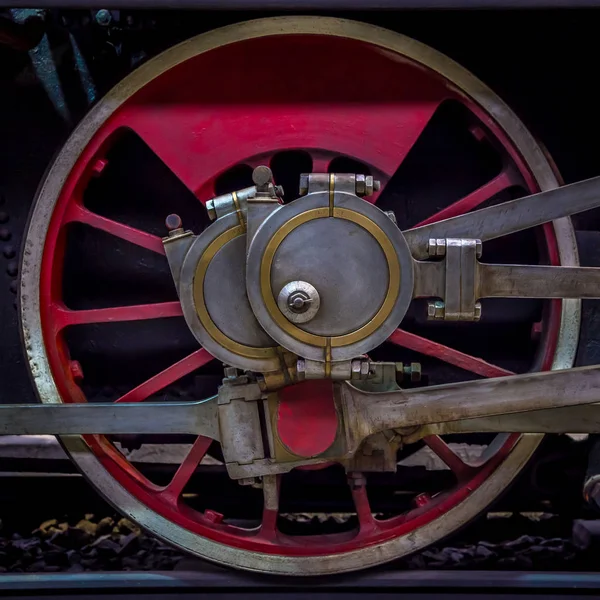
point(30, 300)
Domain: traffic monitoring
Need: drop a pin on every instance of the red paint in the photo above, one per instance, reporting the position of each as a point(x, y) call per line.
point(212, 516)
point(307, 421)
point(449, 355)
point(174, 489)
point(167, 377)
point(200, 131)
point(462, 470)
point(76, 371)
point(65, 317)
point(421, 500)
point(77, 213)
point(505, 179)
point(98, 167)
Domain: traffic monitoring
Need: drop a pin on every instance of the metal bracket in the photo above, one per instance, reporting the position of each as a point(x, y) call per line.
point(239, 422)
point(460, 294)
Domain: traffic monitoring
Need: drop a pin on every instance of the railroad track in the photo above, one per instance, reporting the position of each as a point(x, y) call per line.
point(222, 583)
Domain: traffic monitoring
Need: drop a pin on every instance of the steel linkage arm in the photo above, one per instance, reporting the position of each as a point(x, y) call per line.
point(197, 418)
point(508, 217)
point(459, 280)
point(555, 401)
point(549, 402)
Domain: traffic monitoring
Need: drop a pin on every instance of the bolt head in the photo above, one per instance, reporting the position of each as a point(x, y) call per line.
point(173, 222)
point(76, 371)
point(299, 301)
point(213, 516)
point(477, 311)
point(103, 17)
point(262, 176)
point(99, 167)
point(421, 500)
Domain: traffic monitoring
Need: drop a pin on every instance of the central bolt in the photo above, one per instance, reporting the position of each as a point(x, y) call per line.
point(299, 301)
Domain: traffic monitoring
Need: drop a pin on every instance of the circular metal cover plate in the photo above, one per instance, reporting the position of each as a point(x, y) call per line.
point(213, 297)
point(355, 257)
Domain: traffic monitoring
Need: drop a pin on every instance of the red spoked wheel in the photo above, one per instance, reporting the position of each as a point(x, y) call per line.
point(101, 319)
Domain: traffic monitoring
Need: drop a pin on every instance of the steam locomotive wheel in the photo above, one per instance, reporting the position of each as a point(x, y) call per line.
point(330, 92)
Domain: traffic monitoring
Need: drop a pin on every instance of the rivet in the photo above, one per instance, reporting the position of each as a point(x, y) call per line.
point(12, 269)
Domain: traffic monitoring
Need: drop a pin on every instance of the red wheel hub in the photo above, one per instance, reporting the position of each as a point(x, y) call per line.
point(243, 104)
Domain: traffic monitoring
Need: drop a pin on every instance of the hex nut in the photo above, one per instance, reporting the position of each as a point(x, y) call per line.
point(435, 309)
point(303, 184)
point(301, 369)
point(365, 367)
point(212, 212)
point(231, 372)
point(415, 372)
point(436, 247)
point(247, 481)
point(361, 185)
point(356, 480)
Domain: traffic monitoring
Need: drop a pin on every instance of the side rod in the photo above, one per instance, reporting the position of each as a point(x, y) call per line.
point(197, 418)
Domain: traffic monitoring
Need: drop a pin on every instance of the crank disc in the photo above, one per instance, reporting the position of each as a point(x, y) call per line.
point(272, 93)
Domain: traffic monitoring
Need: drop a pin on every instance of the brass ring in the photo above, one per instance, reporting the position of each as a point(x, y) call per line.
point(215, 333)
point(384, 310)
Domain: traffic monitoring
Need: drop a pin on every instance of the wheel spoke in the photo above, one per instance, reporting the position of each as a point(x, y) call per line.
point(366, 521)
point(460, 469)
point(187, 468)
point(64, 317)
point(504, 180)
point(168, 376)
point(449, 355)
point(80, 214)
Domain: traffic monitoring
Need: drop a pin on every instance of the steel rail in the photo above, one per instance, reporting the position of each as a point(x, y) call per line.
point(210, 581)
